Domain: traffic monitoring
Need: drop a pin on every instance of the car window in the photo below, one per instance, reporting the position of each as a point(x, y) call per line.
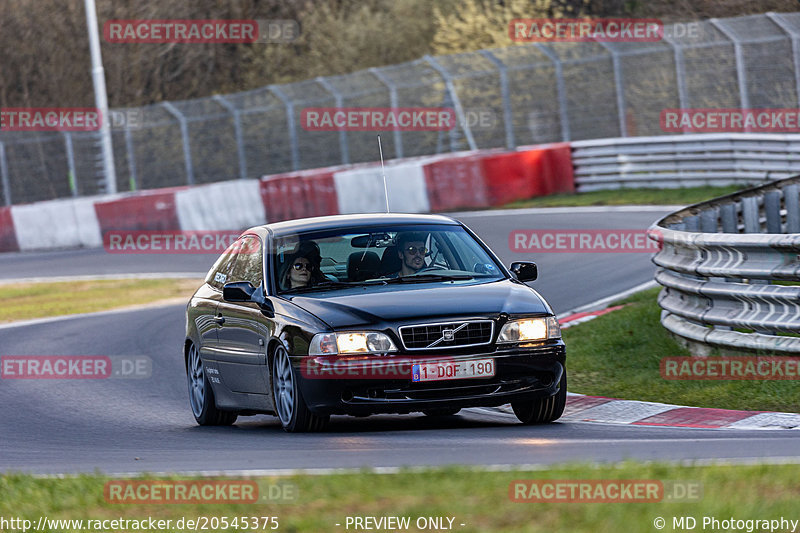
point(218, 275)
point(249, 261)
point(361, 254)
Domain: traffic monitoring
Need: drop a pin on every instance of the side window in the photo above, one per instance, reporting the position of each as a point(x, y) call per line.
point(218, 275)
point(249, 263)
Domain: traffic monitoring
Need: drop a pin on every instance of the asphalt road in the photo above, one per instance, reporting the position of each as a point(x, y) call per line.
point(132, 425)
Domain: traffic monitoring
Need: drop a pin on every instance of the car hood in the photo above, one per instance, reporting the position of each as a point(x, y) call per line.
point(382, 306)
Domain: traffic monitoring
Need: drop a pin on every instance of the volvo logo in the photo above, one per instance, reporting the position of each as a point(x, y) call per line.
point(448, 334)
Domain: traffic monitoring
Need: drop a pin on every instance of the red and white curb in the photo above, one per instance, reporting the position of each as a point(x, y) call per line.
point(578, 318)
point(603, 410)
point(611, 411)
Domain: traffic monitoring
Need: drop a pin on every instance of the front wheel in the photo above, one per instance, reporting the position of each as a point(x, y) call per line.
point(543, 410)
point(289, 403)
point(201, 397)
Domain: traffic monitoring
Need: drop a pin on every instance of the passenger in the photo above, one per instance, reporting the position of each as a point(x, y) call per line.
point(302, 268)
point(411, 251)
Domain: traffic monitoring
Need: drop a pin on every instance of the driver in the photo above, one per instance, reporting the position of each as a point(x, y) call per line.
point(411, 251)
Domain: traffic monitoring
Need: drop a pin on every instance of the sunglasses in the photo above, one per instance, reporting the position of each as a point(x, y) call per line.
point(414, 251)
point(302, 266)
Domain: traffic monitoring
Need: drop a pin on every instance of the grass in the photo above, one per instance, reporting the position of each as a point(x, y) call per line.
point(478, 499)
point(685, 196)
point(25, 301)
point(618, 355)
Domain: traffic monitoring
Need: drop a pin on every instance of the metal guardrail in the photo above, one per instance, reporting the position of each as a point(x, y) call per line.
point(684, 160)
point(730, 269)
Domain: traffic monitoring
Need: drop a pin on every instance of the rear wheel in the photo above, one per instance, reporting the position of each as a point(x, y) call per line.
point(543, 410)
point(201, 397)
point(289, 403)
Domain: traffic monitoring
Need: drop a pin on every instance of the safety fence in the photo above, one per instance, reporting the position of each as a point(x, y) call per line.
point(526, 94)
point(730, 269)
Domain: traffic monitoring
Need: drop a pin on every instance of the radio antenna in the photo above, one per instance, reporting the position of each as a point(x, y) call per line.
point(383, 172)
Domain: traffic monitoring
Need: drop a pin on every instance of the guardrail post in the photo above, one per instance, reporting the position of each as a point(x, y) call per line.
point(741, 73)
point(343, 146)
point(393, 103)
point(729, 219)
point(750, 215)
point(187, 150)
point(4, 175)
point(451, 89)
point(772, 211)
point(781, 22)
point(618, 82)
point(70, 151)
point(561, 88)
point(709, 220)
point(505, 93)
point(289, 124)
point(791, 200)
point(237, 131)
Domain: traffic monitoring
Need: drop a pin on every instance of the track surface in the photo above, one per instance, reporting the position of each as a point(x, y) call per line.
point(145, 425)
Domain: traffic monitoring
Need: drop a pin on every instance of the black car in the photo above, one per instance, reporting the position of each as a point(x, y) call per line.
point(363, 314)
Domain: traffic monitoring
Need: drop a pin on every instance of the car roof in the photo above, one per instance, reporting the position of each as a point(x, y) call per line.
point(358, 220)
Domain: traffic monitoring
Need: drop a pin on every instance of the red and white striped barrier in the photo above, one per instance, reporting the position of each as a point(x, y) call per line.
point(480, 178)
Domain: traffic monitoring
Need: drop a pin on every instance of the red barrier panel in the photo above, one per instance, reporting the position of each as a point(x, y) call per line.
point(299, 195)
point(153, 211)
point(456, 183)
point(529, 173)
point(321, 194)
point(8, 236)
point(556, 170)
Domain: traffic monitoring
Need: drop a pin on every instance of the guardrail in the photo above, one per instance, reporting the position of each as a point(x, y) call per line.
point(727, 267)
point(684, 160)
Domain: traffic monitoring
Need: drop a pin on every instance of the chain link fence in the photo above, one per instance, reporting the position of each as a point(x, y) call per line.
point(525, 94)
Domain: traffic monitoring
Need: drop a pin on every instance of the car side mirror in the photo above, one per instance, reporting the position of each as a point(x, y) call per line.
point(238, 291)
point(524, 270)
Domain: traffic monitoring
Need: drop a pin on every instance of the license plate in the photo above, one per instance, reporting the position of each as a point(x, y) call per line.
point(439, 371)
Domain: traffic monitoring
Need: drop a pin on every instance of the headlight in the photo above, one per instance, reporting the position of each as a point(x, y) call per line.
point(530, 329)
point(350, 342)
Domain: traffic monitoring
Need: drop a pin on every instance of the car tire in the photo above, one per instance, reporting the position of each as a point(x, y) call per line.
point(201, 396)
point(543, 410)
point(290, 406)
point(442, 411)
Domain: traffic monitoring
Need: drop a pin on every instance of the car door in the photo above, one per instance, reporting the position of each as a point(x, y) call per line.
point(243, 328)
point(204, 305)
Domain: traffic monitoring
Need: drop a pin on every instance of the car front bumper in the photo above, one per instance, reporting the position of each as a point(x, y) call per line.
point(520, 374)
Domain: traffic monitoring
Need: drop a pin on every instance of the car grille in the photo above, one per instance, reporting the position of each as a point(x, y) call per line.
point(447, 335)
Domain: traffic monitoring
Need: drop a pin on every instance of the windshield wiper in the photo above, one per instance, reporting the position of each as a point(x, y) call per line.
point(414, 278)
point(334, 284)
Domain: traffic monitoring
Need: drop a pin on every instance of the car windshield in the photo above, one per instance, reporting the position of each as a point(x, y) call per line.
point(341, 258)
